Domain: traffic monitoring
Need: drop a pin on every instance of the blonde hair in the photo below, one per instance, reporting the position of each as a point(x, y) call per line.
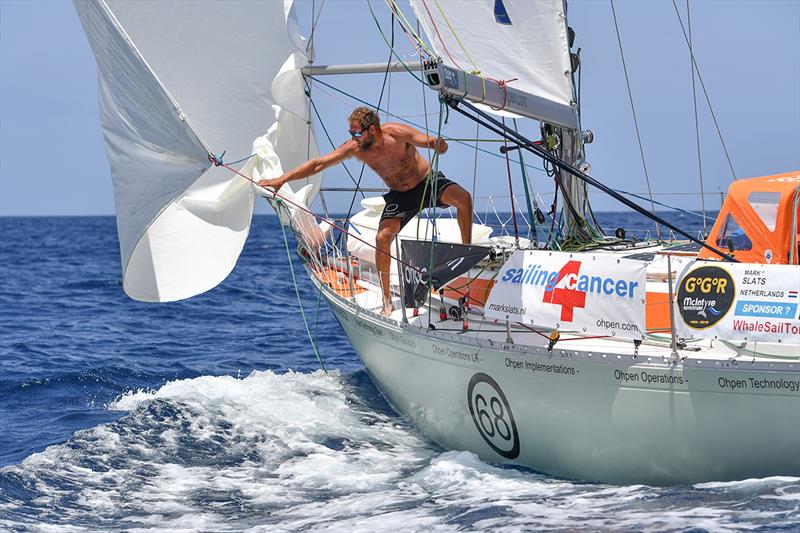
point(365, 116)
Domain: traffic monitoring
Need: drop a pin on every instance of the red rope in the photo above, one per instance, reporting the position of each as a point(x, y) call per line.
point(503, 84)
point(425, 4)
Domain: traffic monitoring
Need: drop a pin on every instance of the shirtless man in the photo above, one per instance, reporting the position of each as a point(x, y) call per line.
point(391, 151)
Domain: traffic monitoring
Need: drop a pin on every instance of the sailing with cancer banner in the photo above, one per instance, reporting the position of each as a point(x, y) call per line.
point(562, 291)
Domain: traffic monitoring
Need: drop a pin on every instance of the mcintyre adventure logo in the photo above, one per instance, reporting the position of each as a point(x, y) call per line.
point(705, 296)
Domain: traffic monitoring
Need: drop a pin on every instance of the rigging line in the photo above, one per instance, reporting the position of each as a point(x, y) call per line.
point(430, 160)
point(391, 5)
point(475, 161)
point(705, 93)
point(215, 157)
point(696, 122)
point(475, 68)
point(511, 193)
point(434, 175)
point(391, 46)
point(552, 236)
point(682, 193)
point(309, 85)
point(314, 23)
point(527, 192)
point(380, 99)
point(633, 111)
point(492, 124)
point(310, 53)
point(406, 120)
point(476, 139)
point(316, 316)
point(405, 25)
point(349, 105)
point(297, 292)
point(436, 29)
point(327, 135)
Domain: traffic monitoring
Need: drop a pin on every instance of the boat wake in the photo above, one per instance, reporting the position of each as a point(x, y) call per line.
point(320, 451)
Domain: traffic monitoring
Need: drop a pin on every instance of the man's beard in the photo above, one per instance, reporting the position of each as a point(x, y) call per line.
point(366, 143)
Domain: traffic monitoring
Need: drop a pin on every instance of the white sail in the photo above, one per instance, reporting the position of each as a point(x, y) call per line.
point(179, 80)
point(528, 45)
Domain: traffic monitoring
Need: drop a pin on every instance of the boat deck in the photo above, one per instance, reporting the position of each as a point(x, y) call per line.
point(367, 298)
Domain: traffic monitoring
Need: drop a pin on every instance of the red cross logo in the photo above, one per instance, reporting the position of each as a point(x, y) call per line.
point(569, 299)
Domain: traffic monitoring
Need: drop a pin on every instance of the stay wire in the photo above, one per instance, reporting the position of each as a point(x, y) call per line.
point(377, 109)
point(391, 45)
point(405, 25)
point(527, 191)
point(475, 159)
point(696, 123)
point(330, 140)
point(705, 93)
point(428, 152)
point(511, 190)
point(633, 111)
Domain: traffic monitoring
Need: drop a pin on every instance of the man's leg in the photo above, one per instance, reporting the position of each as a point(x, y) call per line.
point(455, 195)
point(387, 231)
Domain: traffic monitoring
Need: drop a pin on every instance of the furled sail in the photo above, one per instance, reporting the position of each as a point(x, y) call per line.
point(179, 81)
point(521, 40)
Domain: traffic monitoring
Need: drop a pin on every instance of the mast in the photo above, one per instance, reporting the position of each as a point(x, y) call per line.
point(510, 56)
point(577, 222)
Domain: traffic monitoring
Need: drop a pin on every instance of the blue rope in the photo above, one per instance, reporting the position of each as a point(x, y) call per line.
point(218, 162)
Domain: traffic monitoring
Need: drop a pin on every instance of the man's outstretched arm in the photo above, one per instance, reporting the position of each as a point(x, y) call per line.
point(312, 166)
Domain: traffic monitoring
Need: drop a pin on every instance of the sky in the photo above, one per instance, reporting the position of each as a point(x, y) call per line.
point(53, 162)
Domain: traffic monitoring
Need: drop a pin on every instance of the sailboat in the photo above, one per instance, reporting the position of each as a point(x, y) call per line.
point(579, 355)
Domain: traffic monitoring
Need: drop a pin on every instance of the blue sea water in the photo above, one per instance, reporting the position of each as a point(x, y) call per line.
point(212, 414)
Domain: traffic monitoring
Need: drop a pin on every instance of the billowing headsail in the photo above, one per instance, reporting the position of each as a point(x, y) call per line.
point(179, 81)
point(523, 40)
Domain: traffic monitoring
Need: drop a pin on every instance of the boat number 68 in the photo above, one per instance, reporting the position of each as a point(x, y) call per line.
point(492, 415)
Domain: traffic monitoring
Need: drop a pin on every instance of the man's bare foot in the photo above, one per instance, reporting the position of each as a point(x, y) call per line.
point(388, 309)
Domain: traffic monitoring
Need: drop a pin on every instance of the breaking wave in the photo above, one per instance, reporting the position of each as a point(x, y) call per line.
point(317, 451)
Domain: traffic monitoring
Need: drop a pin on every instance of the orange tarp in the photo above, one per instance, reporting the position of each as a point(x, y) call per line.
point(766, 246)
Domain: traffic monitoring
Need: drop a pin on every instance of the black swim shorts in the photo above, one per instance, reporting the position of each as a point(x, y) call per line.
point(406, 204)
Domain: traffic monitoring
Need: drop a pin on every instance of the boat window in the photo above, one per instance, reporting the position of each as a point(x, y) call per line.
point(732, 231)
point(765, 204)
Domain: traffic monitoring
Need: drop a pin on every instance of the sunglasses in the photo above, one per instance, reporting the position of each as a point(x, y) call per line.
point(357, 134)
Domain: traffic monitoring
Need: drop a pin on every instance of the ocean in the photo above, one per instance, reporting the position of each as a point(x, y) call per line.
point(212, 414)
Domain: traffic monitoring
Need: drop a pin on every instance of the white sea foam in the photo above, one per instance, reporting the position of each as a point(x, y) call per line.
point(285, 452)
